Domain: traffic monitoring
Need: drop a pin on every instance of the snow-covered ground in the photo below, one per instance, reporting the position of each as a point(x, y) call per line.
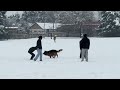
point(104, 59)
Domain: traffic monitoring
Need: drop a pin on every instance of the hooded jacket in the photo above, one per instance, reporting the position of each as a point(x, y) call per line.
point(85, 43)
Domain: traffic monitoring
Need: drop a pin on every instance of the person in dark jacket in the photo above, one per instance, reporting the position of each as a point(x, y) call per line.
point(84, 47)
point(30, 51)
point(39, 49)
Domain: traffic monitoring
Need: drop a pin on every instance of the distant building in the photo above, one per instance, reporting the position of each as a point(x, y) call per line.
point(90, 28)
point(76, 30)
point(68, 30)
point(11, 30)
point(36, 29)
point(44, 28)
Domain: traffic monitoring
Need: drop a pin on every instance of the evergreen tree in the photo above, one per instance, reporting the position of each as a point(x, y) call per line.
point(3, 32)
point(2, 17)
point(13, 20)
point(109, 23)
point(66, 17)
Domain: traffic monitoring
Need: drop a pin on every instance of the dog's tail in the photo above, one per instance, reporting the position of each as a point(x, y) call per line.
point(60, 50)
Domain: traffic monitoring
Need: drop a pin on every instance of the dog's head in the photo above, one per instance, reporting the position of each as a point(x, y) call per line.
point(60, 50)
point(45, 53)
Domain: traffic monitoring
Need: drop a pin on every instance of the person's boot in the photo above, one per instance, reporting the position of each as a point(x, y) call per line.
point(35, 59)
point(32, 57)
point(82, 60)
point(86, 60)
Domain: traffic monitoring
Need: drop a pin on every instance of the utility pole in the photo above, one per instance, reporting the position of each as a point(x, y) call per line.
point(44, 24)
point(53, 26)
point(80, 28)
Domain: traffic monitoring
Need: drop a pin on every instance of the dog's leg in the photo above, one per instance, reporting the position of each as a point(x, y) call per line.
point(54, 55)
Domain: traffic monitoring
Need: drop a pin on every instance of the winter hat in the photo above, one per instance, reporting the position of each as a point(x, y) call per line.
point(85, 35)
point(40, 37)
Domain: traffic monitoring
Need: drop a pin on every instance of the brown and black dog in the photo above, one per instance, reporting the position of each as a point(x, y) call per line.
point(52, 53)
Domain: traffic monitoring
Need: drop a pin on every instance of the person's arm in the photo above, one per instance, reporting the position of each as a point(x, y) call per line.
point(81, 45)
point(37, 44)
point(89, 43)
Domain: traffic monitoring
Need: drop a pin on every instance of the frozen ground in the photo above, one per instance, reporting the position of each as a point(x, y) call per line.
point(104, 60)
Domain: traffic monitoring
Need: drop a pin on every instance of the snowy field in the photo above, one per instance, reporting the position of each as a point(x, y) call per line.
point(104, 60)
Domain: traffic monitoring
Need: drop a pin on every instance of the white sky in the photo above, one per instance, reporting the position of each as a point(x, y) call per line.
point(13, 12)
point(96, 14)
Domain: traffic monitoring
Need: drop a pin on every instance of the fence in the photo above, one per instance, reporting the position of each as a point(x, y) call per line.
point(23, 36)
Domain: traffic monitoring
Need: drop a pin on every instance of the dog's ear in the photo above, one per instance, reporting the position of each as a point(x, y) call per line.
point(61, 49)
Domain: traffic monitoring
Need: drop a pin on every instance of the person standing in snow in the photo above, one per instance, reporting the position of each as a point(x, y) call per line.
point(39, 49)
point(84, 47)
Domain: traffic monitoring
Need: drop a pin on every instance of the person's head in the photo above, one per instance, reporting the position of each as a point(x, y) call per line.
point(40, 37)
point(85, 35)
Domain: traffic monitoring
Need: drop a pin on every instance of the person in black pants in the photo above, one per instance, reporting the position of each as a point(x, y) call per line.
point(31, 50)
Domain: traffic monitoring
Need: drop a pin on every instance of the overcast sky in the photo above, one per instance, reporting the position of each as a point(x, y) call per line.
point(13, 12)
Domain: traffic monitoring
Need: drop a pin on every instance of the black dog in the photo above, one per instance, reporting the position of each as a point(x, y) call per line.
point(52, 53)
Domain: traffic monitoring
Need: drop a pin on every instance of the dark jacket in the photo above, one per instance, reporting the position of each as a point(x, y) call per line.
point(32, 49)
point(85, 43)
point(39, 44)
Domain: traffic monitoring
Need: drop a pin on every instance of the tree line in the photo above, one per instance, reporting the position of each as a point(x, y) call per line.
point(109, 19)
